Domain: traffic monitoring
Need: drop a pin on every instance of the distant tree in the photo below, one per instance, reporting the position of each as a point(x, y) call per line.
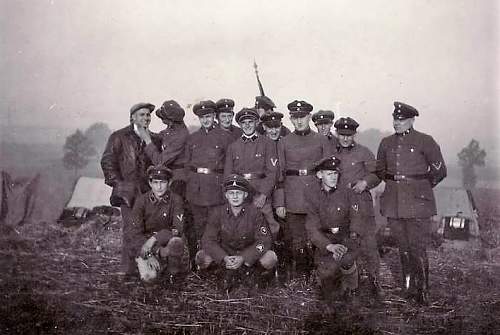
point(371, 138)
point(77, 151)
point(470, 157)
point(97, 134)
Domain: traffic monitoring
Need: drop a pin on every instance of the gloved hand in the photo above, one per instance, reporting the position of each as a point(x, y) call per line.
point(259, 200)
point(233, 262)
point(153, 263)
point(338, 250)
point(360, 186)
point(281, 212)
point(146, 247)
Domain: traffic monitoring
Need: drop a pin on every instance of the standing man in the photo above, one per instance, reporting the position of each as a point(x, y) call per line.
point(411, 164)
point(173, 142)
point(358, 168)
point(225, 114)
point(297, 154)
point(265, 106)
point(323, 120)
point(205, 157)
point(124, 163)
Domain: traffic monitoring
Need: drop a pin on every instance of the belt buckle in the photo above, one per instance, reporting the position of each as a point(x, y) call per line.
point(302, 172)
point(202, 170)
point(399, 177)
point(247, 176)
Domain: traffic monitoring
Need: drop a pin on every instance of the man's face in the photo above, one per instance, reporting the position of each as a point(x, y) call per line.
point(345, 140)
point(272, 132)
point(329, 178)
point(400, 126)
point(236, 197)
point(324, 128)
point(301, 123)
point(159, 187)
point(248, 126)
point(207, 120)
point(142, 118)
point(225, 119)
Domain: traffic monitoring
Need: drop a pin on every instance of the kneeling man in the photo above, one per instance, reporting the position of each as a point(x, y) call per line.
point(157, 228)
point(237, 237)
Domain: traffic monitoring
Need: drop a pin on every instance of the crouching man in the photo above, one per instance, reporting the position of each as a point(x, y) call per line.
point(158, 229)
point(332, 212)
point(237, 238)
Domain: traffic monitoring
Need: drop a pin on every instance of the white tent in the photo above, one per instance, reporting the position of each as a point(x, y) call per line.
point(89, 193)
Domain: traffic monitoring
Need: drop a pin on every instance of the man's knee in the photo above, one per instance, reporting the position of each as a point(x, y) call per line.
point(203, 259)
point(174, 247)
point(269, 260)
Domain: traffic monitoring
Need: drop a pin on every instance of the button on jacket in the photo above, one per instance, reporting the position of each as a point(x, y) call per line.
point(206, 149)
point(416, 156)
point(357, 163)
point(246, 234)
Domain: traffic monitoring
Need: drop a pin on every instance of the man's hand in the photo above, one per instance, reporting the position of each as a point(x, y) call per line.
point(338, 250)
point(233, 262)
point(153, 263)
point(259, 200)
point(281, 212)
point(144, 134)
point(146, 247)
point(360, 186)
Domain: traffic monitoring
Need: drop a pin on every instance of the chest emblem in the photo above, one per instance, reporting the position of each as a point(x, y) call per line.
point(355, 207)
point(263, 230)
point(259, 247)
point(274, 161)
point(437, 165)
point(180, 217)
point(334, 230)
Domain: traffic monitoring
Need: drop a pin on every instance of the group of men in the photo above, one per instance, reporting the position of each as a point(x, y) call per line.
point(261, 197)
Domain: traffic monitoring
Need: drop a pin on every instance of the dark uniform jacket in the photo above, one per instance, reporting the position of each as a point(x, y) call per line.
point(300, 152)
point(332, 215)
point(357, 163)
point(206, 150)
point(246, 235)
point(124, 159)
point(256, 160)
point(233, 131)
point(415, 160)
point(162, 217)
point(172, 153)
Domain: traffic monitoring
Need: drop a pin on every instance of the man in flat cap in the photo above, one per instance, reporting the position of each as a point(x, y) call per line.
point(265, 106)
point(333, 216)
point(205, 158)
point(124, 163)
point(297, 154)
point(173, 142)
point(157, 229)
point(225, 114)
point(254, 157)
point(411, 164)
point(237, 237)
point(323, 120)
point(358, 167)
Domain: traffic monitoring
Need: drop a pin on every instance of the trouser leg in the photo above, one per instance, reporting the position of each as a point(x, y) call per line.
point(196, 228)
point(300, 249)
point(128, 254)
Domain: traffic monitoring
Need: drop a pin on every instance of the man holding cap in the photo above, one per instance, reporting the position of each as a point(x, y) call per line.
point(333, 213)
point(411, 164)
point(254, 157)
point(205, 157)
point(237, 237)
point(297, 154)
point(124, 163)
point(323, 120)
point(173, 142)
point(225, 114)
point(358, 166)
point(157, 228)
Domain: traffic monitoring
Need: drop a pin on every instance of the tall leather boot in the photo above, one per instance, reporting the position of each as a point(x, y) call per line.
point(406, 271)
point(421, 280)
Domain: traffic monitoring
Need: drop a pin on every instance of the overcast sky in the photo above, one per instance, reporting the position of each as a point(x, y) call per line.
point(72, 63)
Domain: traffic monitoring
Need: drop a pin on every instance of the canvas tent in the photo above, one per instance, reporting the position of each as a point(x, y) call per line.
point(89, 193)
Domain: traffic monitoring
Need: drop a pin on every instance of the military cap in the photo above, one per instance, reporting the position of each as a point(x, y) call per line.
point(246, 113)
point(224, 105)
point(299, 108)
point(159, 172)
point(171, 110)
point(272, 120)
point(264, 102)
point(403, 111)
point(328, 163)
point(346, 126)
point(204, 107)
point(141, 105)
point(323, 116)
point(236, 182)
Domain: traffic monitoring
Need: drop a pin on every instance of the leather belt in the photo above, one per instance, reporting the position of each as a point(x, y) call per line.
point(301, 172)
point(250, 176)
point(203, 170)
point(399, 177)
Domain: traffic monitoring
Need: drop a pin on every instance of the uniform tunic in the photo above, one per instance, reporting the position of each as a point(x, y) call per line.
point(246, 234)
point(234, 131)
point(254, 156)
point(357, 163)
point(417, 157)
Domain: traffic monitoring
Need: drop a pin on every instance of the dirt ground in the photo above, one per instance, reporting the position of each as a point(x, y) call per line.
point(59, 280)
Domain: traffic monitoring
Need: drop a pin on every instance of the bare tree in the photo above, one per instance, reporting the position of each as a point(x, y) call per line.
point(470, 157)
point(77, 151)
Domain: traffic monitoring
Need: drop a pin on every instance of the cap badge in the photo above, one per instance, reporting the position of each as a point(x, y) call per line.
point(263, 230)
point(355, 207)
point(259, 247)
